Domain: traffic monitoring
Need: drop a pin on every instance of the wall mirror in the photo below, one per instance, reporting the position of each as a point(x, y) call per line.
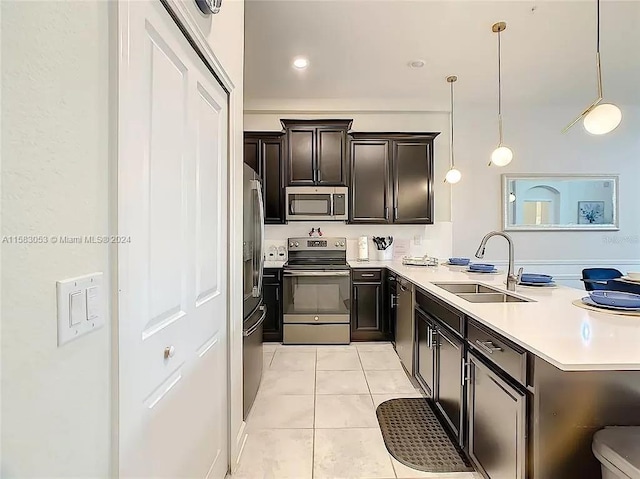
point(559, 202)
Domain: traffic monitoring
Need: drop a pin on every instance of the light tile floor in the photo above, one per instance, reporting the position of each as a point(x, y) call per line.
point(314, 416)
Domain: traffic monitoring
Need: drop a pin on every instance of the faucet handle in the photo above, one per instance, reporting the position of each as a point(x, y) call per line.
point(520, 274)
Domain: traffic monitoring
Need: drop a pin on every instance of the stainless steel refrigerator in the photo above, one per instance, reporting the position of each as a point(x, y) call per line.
point(254, 310)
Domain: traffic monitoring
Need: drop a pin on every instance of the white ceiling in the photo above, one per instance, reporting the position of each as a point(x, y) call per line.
point(360, 49)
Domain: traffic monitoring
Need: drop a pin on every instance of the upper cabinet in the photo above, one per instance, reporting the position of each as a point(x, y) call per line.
point(317, 152)
point(392, 177)
point(264, 152)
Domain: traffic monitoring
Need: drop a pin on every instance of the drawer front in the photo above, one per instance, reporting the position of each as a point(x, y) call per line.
point(366, 275)
point(316, 334)
point(272, 275)
point(450, 317)
point(316, 319)
point(511, 359)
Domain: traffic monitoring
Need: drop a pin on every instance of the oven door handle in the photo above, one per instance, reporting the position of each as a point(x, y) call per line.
point(317, 273)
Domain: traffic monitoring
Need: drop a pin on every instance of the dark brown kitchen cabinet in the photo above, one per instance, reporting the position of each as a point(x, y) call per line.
point(368, 318)
point(272, 293)
point(264, 152)
point(449, 395)
point(391, 178)
point(370, 198)
point(317, 152)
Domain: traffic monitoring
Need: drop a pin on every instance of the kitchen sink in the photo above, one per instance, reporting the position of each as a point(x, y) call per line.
point(457, 288)
point(479, 293)
point(492, 298)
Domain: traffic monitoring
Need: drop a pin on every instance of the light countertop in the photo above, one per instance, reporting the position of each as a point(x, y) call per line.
point(569, 337)
point(274, 263)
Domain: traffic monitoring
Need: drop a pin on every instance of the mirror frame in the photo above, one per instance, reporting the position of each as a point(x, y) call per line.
point(507, 177)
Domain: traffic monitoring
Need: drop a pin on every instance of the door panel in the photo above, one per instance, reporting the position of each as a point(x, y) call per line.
point(301, 157)
point(273, 322)
point(252, 153)
point(331, 157)
point(369, 181)
point(449, 394)
point(272, 174)
point(413, 182)
point(172, 191)
point(426, 358)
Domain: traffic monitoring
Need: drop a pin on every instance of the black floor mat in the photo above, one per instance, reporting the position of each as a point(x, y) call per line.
point(414, 436)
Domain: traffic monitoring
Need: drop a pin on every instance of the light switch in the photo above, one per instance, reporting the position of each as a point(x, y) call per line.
point(80, 306)
point(77, 308)
point(93, 302)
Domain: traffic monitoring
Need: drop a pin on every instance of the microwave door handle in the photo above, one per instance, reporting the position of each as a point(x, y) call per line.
point(332, 200)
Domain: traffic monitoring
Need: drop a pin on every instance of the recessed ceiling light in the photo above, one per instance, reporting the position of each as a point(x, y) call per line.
point(301, 63)
point(416, 63)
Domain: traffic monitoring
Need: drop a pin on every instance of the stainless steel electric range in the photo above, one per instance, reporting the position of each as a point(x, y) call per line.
point(317, 292)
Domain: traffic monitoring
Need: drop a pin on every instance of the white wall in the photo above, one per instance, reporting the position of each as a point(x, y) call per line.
point(535, 136)
point(55, 170)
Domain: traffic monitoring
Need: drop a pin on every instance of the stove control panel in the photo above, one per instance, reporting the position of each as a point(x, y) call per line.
point(331, 244)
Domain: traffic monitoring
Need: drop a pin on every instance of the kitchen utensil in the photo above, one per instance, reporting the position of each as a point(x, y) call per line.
point(616, 298)
point(481, 267)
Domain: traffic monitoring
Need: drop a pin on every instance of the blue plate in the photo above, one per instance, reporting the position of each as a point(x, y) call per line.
point(481, 271)
point(538, 285)
point(588, 301)
point(536, 278)
point(482, 267)
point(616, 298)
point(459, 261)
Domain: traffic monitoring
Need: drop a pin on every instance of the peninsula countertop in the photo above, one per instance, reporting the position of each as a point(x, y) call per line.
point(569, 337)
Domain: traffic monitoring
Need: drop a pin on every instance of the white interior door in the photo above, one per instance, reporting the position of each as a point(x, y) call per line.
point(172, 194)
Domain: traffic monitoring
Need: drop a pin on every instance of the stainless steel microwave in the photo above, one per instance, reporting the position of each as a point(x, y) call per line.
point(317, 203)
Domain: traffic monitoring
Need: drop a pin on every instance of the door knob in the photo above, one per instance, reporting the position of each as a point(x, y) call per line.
point(169, 352)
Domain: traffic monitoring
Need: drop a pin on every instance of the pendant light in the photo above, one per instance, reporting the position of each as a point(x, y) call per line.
point(502, 155)
point(453, 175)
point(599, 118)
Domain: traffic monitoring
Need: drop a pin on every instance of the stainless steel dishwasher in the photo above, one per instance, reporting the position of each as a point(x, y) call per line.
point(405, 324)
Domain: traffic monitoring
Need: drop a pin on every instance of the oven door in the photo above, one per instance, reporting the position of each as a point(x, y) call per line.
point(317, 296)
point(309, 206)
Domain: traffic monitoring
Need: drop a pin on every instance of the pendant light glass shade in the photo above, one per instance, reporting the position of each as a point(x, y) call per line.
point(453, 175)
point(502, 155)
point(604, 118)
point(598, 118)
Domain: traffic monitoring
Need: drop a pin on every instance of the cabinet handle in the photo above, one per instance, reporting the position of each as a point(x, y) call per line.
point(277, 295)
point(355, 293)
point(395, 213)
point(433, 338)
point(319, 175)
point(386, 212)
point(367, 275)
point(488, 346)
point(465, 371)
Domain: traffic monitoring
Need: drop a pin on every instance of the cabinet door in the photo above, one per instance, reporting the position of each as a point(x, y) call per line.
point(497, 424)
point(426, 360)
point(302, 156)
point(391, 307)
point(331, 161)
point(252, 153)
point(272, 326)
point(450, 388)
point(272, 177)
point(370, 181)
point(366, 312)
point(412, 181)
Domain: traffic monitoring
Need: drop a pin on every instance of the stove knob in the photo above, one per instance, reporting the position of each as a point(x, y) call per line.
point(337, 244)
point(297, 244)
point(290, 245)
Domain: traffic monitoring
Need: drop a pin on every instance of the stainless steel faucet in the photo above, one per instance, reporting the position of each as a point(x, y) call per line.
point(512, 279)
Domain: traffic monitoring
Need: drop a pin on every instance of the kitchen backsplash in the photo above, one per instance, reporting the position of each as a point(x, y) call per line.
point(433, 240)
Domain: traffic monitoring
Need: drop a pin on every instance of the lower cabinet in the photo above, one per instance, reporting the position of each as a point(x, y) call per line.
point(368, 321)
point(272, 292)
point(449, 395)
point(497, 423)
point(425, 352)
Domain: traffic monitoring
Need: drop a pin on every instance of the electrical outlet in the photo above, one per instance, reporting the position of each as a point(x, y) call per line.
point(417, 240)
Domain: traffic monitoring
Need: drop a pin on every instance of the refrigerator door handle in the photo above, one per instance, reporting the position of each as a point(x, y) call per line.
point(257, 292)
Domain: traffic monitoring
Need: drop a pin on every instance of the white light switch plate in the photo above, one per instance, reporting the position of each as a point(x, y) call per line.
point(81, 306)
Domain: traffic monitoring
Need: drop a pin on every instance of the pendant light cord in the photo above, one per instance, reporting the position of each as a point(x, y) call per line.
point(598, 26)
point(499, 89)
point(451, 148)
point(598, 65)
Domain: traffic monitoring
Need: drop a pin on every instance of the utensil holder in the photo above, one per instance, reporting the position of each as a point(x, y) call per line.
point(385, 254)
